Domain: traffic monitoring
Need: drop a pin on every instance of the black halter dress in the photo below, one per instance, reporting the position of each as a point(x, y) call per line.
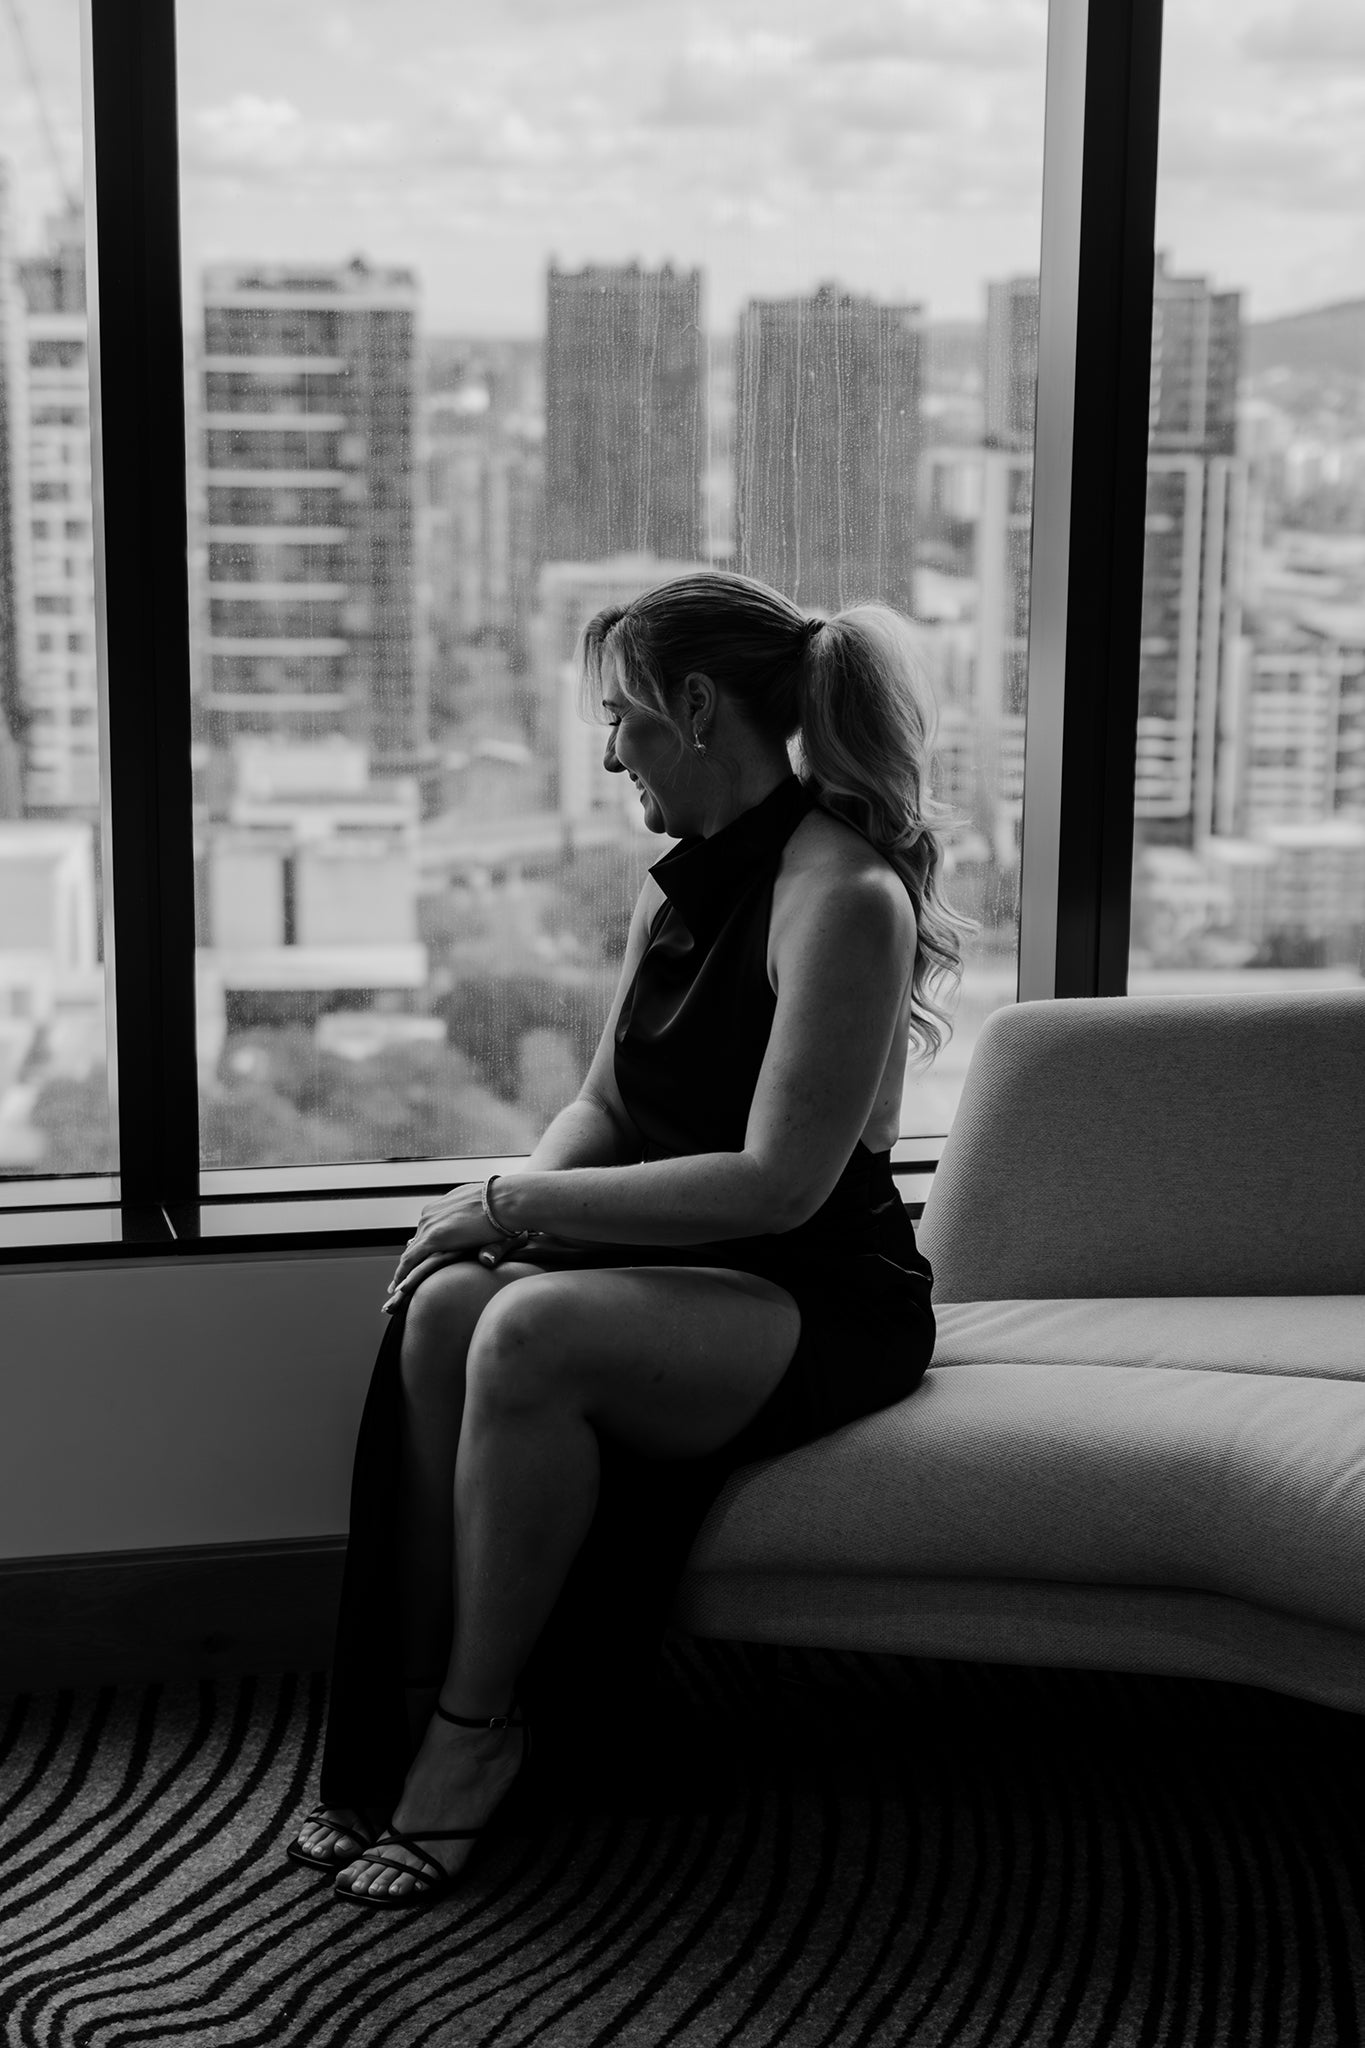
point(690, 1041)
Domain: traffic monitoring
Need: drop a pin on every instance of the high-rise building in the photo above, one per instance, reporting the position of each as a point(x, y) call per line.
point(482, 516)
point(986, 496)
point(1193, 564)
point(1196, 357)
point(1296, 728)
point(308, 509)
point(1197, 509)
point(1191, 640)
point(11, 508)
point(60, 690)
point(625, 413)
point(1011, 362)
point(827, 436)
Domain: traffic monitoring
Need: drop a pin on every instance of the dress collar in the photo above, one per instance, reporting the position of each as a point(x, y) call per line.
point(704, 878)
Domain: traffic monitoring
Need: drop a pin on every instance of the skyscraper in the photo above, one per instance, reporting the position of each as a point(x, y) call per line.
point(625, 413)
point(1192, 573)
point(61, 708)
point(1297, 723)
point(11, 435)
point(1011, 362)
point(987, 494)
point(309, 464)
point(1196, 521)
point(1196, 356)
point(483, 519)
point(827, 436)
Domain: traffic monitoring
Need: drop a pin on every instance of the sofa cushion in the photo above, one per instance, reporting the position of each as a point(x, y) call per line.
point(1250, 1485)
point(1314, 1336)
point(1156, 1145)
point(1034, 1621)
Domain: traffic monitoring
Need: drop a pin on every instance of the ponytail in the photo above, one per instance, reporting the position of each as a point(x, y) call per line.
point(865, 736)
point(844, 693)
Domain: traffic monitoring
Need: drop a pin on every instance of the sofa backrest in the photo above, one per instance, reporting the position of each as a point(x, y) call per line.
point(1157, 1145)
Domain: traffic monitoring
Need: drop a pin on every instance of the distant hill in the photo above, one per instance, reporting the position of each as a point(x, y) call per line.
point(1325, 341)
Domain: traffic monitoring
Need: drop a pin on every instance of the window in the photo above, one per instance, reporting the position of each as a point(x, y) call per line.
point(404, 854)
point(60, 353)
point(1249, 865)
point(54, 1097)
point(413, 901)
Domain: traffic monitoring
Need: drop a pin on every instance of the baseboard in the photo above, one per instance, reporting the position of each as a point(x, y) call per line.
point(127, 1617)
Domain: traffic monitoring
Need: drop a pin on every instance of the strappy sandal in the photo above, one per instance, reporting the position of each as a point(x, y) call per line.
point(318, 1818)
point(440, 1882)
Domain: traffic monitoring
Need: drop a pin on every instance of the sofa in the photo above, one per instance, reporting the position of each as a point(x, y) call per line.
point(1141, 1443)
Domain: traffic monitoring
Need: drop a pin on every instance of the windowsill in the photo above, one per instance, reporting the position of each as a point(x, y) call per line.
point(365, 1206)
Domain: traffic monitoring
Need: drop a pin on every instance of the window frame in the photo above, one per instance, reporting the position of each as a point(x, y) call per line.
point(1090, 456)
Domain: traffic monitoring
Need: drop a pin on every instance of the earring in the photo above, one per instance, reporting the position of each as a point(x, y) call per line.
point(699, 744)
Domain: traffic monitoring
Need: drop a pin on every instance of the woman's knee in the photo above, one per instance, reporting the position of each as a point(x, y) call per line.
point(521, 1351)
point(440, 1320)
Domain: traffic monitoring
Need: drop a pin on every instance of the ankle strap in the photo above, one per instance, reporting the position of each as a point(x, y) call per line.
point(506, 1720)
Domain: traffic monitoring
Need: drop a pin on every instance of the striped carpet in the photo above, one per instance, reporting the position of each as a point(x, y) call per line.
point(891, 1853)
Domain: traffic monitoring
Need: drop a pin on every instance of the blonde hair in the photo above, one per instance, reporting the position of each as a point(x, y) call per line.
point(846, 690)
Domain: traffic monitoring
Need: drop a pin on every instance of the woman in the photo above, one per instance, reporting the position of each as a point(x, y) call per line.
point(704, 1261)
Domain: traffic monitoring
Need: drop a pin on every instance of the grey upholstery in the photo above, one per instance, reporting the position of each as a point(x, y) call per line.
point(1165, 1145)
point(1170, 1630)
point(1249, 1485)
point(1141, 1444)
point(1316, 1336)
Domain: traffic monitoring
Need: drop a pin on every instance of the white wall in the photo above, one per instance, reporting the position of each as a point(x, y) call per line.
point(158, 1403)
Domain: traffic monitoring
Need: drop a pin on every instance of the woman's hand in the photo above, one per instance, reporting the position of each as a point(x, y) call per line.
point(451, 1228)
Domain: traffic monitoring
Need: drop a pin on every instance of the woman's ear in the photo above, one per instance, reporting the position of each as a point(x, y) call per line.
point(699, 696)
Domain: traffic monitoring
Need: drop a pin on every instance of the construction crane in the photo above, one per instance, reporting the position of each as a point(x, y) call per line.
point(71, 198)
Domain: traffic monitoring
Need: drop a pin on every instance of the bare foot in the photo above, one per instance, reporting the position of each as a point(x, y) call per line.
point(338, 1834)
point(458, 1779)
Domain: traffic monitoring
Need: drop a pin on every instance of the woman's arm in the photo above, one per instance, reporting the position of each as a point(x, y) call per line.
point(843, 959)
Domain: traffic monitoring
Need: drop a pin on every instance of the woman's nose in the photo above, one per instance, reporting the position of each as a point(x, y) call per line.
point(609, 760)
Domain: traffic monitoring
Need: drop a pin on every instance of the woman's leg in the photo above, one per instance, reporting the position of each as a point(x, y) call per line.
point(438, 1324)
point(673, 1362)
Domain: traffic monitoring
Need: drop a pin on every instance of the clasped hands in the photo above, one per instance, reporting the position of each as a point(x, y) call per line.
point(450, 1229)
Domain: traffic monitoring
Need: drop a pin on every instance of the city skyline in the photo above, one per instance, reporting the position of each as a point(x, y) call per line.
point(378, 536)
point(1195, 371)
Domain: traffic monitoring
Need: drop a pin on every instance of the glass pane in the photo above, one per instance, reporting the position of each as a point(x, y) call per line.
point(499, 315)
point(1249, 867)
point(54, 1093)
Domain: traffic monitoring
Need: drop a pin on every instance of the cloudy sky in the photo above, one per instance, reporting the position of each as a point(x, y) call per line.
point(895, 145)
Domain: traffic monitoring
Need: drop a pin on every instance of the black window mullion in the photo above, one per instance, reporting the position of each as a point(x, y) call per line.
point(1109, 494)
point(1095, 339)
point(137, 375)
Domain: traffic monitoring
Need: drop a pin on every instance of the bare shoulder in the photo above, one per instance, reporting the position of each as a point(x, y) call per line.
point(831, 877)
